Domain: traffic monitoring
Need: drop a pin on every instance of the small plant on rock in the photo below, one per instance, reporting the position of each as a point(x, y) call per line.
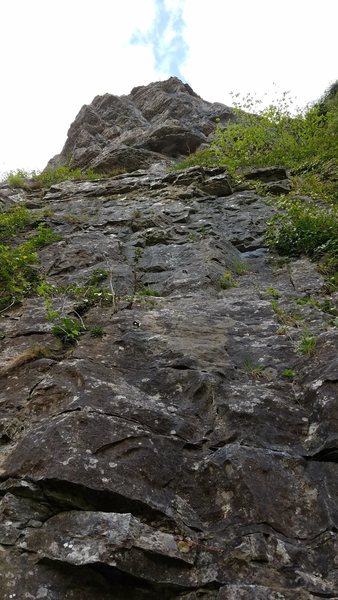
point(285, 318)
point(97, 331)
point(227, 281)
point(240, 267)
point(136, 214)
point(289, 374)
point(44, 236)
point(272, 292)
point(97, 276)
point(256, 371)
point(148, 292)
point(307, 345)
point(68, 330)
point(138, 254)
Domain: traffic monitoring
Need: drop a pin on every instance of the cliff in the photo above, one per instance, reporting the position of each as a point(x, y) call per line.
point(164, 431)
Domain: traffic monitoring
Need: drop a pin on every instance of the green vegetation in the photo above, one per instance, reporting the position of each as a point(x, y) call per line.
point(306, 143)
point(148, 292)
point(14, 221)
point(85, 296)
point(227, 281)
point(307, 300)
point(79, 218)
point(256, 371)
point(304, 228)
point(18, 274)
point(240, 267)
point(44, 236)
point(18, 178)
point(289, 373)
point(32, 180)
point(200, 234)
point(307, 345)
point(97, 331)
point(325, 305)
point(290, 319)
point(277, 135)
point(19, 271)
point(138, 254)
point(97, 276)
point(67, 329)
point(273, 292)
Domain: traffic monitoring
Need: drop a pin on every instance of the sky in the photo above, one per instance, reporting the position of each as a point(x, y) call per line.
point(57, 56)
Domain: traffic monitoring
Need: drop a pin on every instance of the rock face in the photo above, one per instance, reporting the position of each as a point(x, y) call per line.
point(157, 122)
point(170, 457)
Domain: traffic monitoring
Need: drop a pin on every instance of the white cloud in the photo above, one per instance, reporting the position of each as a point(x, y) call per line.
point(166, 37)
point(174, 5)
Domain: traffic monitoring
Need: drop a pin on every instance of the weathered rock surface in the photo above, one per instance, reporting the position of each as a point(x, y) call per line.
point(171, 457)
point(154, 123)
point(275, 179)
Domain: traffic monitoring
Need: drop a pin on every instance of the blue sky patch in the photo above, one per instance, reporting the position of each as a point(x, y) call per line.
point(166, 38)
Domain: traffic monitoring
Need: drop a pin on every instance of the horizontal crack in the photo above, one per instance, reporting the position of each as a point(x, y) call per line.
point(117, 443)
point(325, 455)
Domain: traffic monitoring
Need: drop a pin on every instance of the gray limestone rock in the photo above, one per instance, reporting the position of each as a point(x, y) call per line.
point(266, 174)
point(169, 456)
point(157, 122)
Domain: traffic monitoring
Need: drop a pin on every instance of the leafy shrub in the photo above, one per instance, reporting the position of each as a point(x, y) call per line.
point(68, 330)
point(317, 185)
point(85, 297)
point(97, 276)
point(240, 267)
point(328, 99)
point(277, 135)
point(208, 157)
point(44, 236)
point(13, 221)
point(304, 228)
point(88, 296)
point(17, 178)
point(18, 273)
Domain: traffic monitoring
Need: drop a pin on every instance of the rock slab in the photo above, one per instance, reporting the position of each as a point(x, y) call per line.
point(169, 456)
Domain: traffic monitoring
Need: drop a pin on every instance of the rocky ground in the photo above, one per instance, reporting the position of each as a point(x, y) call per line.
point(190, 450)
